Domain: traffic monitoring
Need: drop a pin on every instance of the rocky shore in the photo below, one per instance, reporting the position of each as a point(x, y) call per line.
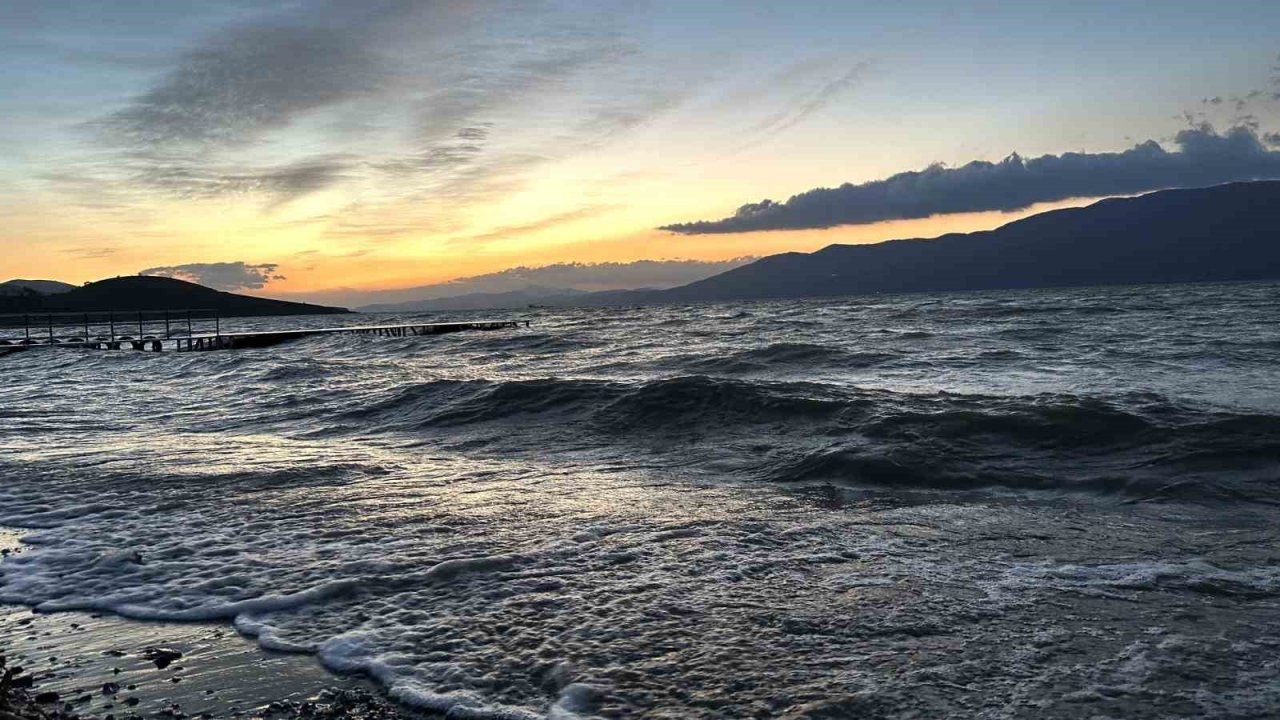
point(22, 699)
point(88, 665)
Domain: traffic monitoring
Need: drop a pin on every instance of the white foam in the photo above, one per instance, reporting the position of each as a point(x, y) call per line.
point(455, 602)
point(463, 706)
point(449, 569)
point(577, 700)
point(1196, 574)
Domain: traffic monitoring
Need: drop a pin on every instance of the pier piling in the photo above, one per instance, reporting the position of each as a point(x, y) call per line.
point(79, 331)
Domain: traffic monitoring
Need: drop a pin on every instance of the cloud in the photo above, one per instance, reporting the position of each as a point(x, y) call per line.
point(816, 100)
point(250, 78)
point(205, 126)
point(91, 252)
point(1204, 157)
point(416, 110)
point(477, 134)
point(1275, 79)
point(786, 98)
point(236, 275)
point(282, 182)
point(546, 223)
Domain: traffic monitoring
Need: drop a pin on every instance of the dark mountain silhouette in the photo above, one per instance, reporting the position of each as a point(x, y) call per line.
point(1221, 233)
point(144, 292)
point(19, 286)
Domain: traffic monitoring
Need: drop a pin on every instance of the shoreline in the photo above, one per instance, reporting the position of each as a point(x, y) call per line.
point(85, 664)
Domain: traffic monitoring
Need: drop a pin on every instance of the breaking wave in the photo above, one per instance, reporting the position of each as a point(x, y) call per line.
point(1136, 444)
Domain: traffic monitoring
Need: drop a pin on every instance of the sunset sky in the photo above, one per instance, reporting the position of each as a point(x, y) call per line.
point(390, 143)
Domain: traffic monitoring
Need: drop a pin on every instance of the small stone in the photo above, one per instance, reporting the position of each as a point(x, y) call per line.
point(162, 657)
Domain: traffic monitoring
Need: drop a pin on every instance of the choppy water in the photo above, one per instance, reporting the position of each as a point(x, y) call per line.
point(1024, 504)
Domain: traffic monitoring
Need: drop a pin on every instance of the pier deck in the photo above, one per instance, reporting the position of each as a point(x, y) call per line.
point(266, 338)
point(187, 331)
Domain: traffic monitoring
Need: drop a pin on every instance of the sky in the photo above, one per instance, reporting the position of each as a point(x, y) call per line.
point(332, 149)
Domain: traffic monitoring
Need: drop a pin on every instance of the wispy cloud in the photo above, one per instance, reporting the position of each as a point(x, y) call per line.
point(91, 252)
point(1275, 79)
point(281, 182)
point(1203, 157)
point(398, 102)
point(246, 81)
point(786, 98)
point(812, 101)
point(236, 275)
point(513, 231)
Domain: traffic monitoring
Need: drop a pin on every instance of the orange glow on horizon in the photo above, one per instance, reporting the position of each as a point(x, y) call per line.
point(314, 260)
point(391, 273)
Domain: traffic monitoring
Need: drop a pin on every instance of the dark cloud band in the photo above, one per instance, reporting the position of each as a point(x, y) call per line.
point(1204, 157)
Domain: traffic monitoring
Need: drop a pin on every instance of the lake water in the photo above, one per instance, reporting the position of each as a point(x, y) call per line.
point(1053, 503)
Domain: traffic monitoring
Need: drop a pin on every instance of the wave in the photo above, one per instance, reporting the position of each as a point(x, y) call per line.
point(294, 372)
point(904, 469)
point(526, 343)
point(802, 356)
point(1138, 445)
point(603, 404)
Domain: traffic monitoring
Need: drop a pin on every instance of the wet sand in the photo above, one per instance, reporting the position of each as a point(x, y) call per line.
point(100, 666)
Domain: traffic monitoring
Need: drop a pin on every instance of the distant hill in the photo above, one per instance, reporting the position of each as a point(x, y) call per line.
point(156, 293)
point(20, 287)
point(532, 295)
point(1222, 233)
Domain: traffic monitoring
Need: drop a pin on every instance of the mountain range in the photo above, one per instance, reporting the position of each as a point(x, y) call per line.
point(33, 288)
point(146, 292)
point(1223, 233)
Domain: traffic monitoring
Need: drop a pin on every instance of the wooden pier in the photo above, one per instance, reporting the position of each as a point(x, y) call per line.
point(186, 331)
point(267, 338)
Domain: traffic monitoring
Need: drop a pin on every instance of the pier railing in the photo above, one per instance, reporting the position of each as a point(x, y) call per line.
point(187, 331)
point(107, 330)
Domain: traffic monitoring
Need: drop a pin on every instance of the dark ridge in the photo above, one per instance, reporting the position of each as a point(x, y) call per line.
point(1223, 233)
point(20, 286)
point(144, 292)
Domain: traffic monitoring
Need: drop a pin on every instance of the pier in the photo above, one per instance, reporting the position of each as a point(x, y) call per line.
point(186, 331)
